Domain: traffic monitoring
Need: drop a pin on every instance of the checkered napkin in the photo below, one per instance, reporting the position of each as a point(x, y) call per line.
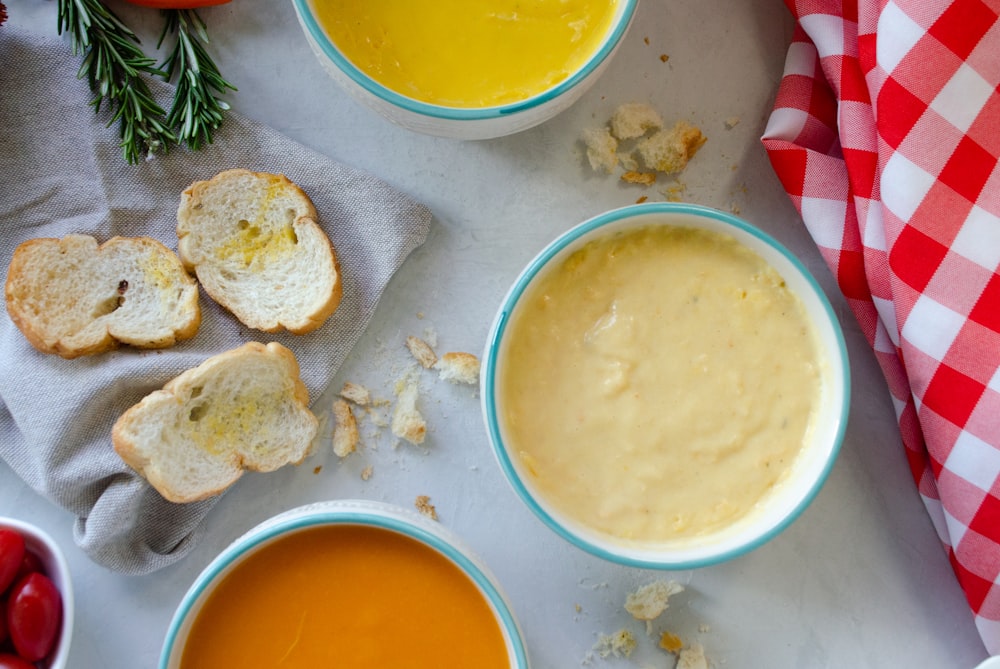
point(886, 135)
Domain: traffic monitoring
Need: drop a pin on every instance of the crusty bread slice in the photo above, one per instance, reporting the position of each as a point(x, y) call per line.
point(253, 241)
point(244, 409)
point(72, 297)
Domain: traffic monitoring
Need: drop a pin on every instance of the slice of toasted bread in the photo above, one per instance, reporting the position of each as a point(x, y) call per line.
point(245, 409)
point(72, 297)
point(253, 241)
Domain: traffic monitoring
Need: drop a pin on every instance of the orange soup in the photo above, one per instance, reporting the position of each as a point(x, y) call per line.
point(346, 596)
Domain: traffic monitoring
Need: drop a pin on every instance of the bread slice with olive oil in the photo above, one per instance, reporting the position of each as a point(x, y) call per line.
point(244, 409)
point(253, 241)
point(73, 297)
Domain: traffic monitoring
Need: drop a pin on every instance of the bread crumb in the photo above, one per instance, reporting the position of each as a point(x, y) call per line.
point(649, 601)
point(424, 506)
point(318, 469)
point(670, 642)
point(642, 178)
point(664, 57)
point(645, 40)
point(732, 122)
point(458, 367)
point(634, 119)
point(421, 351)
point(407, 423)
point(692, 657)
point(669, 151)
point(345, 432)
point(641, 199)
point(704, 628)
point(602, 149)
point(355, 393)
point(675, 191)
point(367, 472)
point(619, 644)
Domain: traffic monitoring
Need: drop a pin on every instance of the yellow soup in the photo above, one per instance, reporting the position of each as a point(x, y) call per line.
point(467, 53)
point(346, 596)
point(659, 383)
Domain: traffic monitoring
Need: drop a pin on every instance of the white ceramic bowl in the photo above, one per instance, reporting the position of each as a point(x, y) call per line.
point(455, 122)
point(778, 509)
point(38, 541)
point(345, 512)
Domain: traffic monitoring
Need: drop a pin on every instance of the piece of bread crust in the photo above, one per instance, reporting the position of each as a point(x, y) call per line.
point(407, 421)
point(72, 297)
point(245, 409)
point(254, 243)
point(669, 151)
point(458, 367)
point(634, 119)
point(345, 432)
point(421, 351)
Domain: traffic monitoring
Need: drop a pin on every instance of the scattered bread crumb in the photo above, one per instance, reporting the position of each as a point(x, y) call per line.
point(732, 122)
point(367, 472)
point(641, 199)
point(577, 608)
point(424, 506)
point(421, 351)
point(692, 657)
point(675, 191)
point(407, 423)
point(634, 119)
point(458, 367)
point(619, 644)
point(642, 178)
point(704, 628)
point(355, 393)
point(669, 151)
point(670, 642)
point(664, 57)
point(646, 40)
point(602, 149)
point(345, 432)
point(318, 469)
point(649, 601)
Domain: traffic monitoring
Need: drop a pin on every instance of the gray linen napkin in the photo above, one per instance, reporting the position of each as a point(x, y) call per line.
point(61, 172)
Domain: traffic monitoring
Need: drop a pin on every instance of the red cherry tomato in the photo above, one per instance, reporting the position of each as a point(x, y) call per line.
point(3, 625)
point(177, 4)
point(8, 661)
point(34, 612)
point(11, 555)
point(30, 564)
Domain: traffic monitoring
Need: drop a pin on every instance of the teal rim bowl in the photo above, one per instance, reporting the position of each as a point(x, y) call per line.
point(778, 509)
point(345, 512)
point(462, 122)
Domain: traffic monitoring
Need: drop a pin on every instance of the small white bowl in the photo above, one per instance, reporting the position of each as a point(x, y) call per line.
point(40, 543)
point(377, 515)
point(460, 122)
point(777, 509)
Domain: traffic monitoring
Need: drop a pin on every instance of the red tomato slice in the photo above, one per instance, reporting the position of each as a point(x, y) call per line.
point(178, 4)
point(34, 612)
point(8, 661)
point(11, 555)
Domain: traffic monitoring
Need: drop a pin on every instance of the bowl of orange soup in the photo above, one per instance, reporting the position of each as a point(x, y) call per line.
point(347, 583)
point(466, 69)
point(666, 386)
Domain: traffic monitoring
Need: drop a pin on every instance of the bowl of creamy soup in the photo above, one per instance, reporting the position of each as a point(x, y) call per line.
point(347, 583)
point(665, 386)
point(466, 69)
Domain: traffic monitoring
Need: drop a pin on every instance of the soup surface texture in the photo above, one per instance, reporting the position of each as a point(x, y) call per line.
point(346, 596)
point(658, 382)
point(467, 53)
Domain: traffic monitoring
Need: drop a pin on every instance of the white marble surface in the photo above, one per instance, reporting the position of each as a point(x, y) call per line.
point(860, 580)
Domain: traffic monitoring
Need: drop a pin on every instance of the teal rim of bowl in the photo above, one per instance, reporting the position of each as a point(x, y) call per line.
point(350, 517)
point(319, 37)
point(490, 372)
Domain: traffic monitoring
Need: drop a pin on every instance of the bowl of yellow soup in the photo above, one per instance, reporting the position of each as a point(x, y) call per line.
point(466, 69)
point(665, 386)
point(347, 583)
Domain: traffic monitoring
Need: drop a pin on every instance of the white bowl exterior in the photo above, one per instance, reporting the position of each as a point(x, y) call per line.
point(353, 512)
point(514, 118)
point(57, 570)
point(812, 466)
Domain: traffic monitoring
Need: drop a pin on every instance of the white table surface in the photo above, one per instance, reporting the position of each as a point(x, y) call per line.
point(860, 580)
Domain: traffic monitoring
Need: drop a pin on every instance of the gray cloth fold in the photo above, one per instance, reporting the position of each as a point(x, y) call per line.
point(61, 172)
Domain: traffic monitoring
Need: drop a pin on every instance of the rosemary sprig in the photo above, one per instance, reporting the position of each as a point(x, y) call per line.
point(196, 112)
point(114, 65)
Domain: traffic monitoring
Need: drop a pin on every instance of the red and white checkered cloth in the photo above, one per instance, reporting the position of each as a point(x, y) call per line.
point(886, 135)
